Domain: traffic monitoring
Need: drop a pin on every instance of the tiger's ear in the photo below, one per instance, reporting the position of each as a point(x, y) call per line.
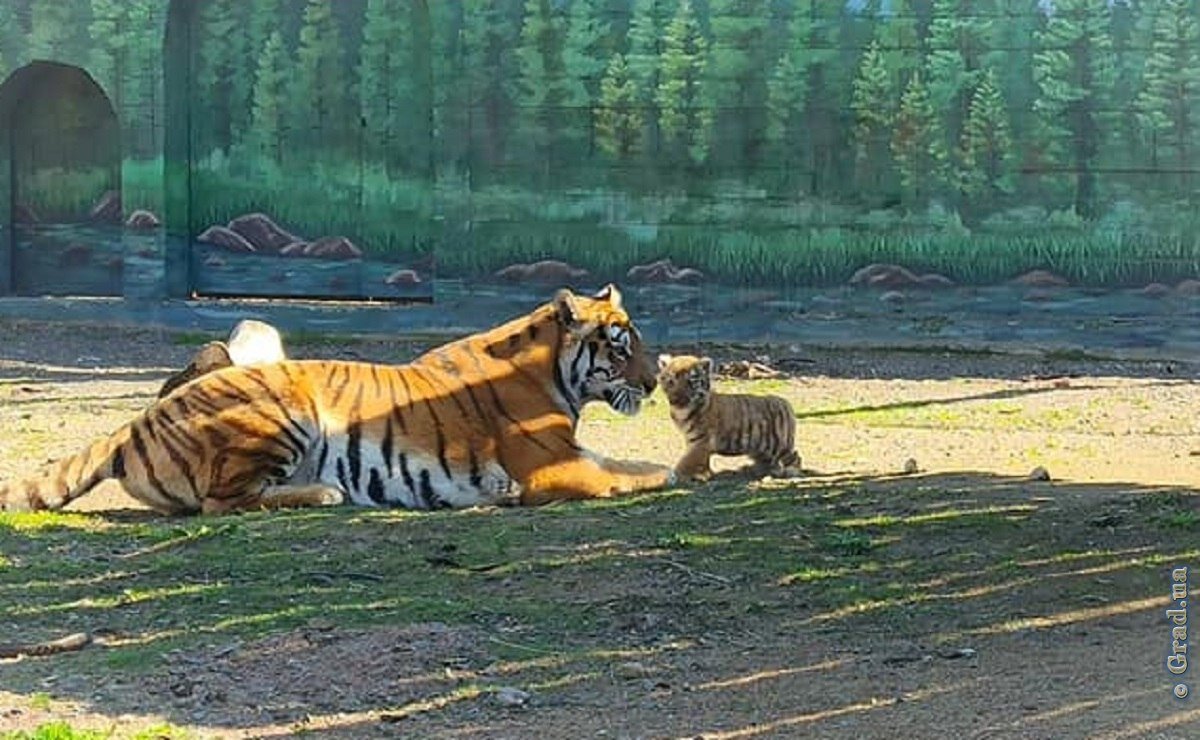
point(663, 361)
point(611, 294)
point(565, 305)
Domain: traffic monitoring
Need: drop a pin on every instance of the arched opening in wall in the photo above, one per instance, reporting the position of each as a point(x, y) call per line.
point(64, 157)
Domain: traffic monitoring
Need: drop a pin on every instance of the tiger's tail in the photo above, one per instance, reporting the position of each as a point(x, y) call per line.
point(61, 482)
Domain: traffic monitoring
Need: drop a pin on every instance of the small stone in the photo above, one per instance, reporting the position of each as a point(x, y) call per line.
point(1041, 279)
point(892, 296)
point(1155, 290)
point(1039, 473)
point(510, 696)
point(633, 669)
point(910, 466)
point(1188, 287)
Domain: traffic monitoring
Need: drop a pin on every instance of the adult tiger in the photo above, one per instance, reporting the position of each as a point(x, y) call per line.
point(487, 419)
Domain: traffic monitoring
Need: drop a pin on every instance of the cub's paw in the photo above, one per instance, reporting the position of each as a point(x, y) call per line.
point(694, 476)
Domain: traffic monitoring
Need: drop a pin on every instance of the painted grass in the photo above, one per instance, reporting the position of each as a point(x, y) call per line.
point(741, 241)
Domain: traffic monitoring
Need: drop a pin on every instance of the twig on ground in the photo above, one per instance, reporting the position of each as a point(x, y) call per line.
point(76, 641)
point(703, 575)
point(351, 575)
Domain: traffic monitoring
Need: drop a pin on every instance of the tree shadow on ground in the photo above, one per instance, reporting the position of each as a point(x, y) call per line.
point(840, 605)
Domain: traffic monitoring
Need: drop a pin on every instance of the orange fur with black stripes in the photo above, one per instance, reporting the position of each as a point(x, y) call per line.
point(763, 427)
point(487, 419)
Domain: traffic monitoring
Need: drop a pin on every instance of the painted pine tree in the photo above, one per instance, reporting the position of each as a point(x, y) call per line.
point(799, 93)
point(898, 40)
point(212, 88)
point(142, 90)
point(1169, 103)
point(489, 38)
point(1073, 72)
point(684, 121)
point(419, 126)
point(12, 41)
point(267, 120)
point(243, 59)
point(646, 28)
point(874, 103)
point(958, 43)
point(256, 21)
point(542, 87)
point(1132, 29)
point(53, 29)
point(320, 103)
point(384, 83)
point(1009, 55)
point(619, 124)
point(918, 144)
point(110, 31)
point(734, 86)
point(585, 51)
point(985, 152)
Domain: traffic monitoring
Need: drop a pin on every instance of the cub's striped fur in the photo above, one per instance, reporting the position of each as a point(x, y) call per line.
point(763, 427)
point(487, 419)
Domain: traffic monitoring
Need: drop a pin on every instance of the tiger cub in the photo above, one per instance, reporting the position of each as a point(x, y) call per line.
point(763, 427)
point(250, 343)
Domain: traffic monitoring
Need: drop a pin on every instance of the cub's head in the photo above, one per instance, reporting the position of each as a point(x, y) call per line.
point(601, 355)
point(209, 358)
point(686, 380)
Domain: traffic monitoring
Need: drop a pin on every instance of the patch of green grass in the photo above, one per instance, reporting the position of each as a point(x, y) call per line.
point(1171, 509)
point(846, 543)
point(40, 701)
point(987, 516)
point(685, 540)
point(56, 731)
point(65, 731)
point(1182, 520)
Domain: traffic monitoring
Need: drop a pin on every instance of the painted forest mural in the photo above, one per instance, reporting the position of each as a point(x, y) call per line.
point(742, 142)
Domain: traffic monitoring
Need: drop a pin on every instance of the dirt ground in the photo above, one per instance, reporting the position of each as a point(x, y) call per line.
point(1076, 649)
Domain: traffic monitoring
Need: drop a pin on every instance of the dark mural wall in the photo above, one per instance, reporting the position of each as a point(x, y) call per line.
point(362, 147)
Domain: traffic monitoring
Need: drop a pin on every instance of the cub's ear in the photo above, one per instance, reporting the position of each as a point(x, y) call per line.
point(567, 308)
point(611, 294)
point(707, 364)
point(663, 361)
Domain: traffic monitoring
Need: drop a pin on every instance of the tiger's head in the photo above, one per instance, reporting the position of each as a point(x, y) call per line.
point(601, 357)
point(686, 380)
